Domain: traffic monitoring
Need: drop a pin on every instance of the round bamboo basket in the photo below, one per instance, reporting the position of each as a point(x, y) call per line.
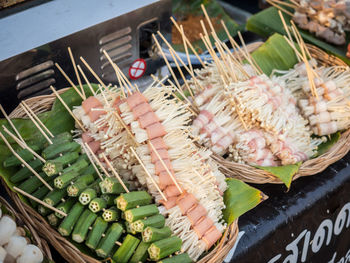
point(29, 225)
point(313, 166)
point(67, 250)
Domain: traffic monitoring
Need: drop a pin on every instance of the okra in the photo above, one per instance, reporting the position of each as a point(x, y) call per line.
point(133, 199)
point(82, 226)
point(140, 254)
point(109, 199)
point(53, 219)
point(181, 258)
point(106, 244)
point(55, 196)
point(97, 204)
point(89, 170)
point(125, 251)
point(63, 137)
point(24, 153)
point(24, 172)
point(87, 195)
point(55, 150)
point(43, 210)
point(65, 207)
point(95, 235)
point(69, 221)
point(152, 234)
point(165, 247)
point(154, 221)
point(63, 180)
point(129, 228)
point(111, 185)
point(111, 214)
point(32, 183)
point(40, 193)
point(55, 166)
point(80, 184)
point(140, 213)
point(78, 166)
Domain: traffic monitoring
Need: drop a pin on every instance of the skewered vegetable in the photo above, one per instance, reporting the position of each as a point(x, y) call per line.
point(165, 247)
point(111, 185)
point(53, 219)
point(111, 214)
point(107, 242)
point(55, 150)
point(32, 183)
point(25, 154)
point(82, 226)
point(69, 221)
point(152, 234)
point(80, 184)
point(181, 258)
point(154, 221)
point(40, 193)
point(125, 251)
point(133, 199)
point(77, 166)
point(65, 207)
point(55, 196)
point(109, 199)
point(87, 195)
point(97, 204)
point(55, 166)
point(140, 212)
point(64, 179)
point(140, 254)
point(61, 138)
point(24, 172)
point(129, 228)
point(95, 235)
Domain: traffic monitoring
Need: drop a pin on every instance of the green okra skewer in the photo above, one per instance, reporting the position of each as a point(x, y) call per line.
point(108, 198)
point(129, 228)
point(165, 247)
point(55, 196)
point(141, 253)
point(61, 138)
point(52, 167)
point(154, 221)
point(78, 166)
point(87, 196)
point(63, 180)
point(65, 207)
point(152, 234)
point(111, 214)
point(53, 219)
point(125, 251)
point(24, 153)
point(97, 204)
point(140, 212)
point(106, 244)
point(54, 150)
point(133, 199)
point(80, 184)
point(181, 258)
point(82, 226)
point(32, 183)
point(25, 173)
point(69, 221)
point(111, 185)
point(95, 235)
point(40, 193)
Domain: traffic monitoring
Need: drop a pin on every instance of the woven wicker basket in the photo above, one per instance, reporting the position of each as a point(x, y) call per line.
point(251, 174)
point(67, 250)
point(29, 225)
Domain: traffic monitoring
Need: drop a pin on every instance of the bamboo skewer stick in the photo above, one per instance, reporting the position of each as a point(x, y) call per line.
point(285, 4)
point(39, 201)
point(69, 80)
point(115, 173)
point(23, 145)
point(186, 49)
point(188, 42)
point(35, 123)
point(97, 160)
point(166, 168)
point(92, 162)
point(279, 7)
point(24, 162)
point(11, 124)
point(148, 174)
point(93, 73)
point(76, 72)
point(126, 127)
point(68, 109)
point(37, 119)
point(86, 80)
point(208, 20)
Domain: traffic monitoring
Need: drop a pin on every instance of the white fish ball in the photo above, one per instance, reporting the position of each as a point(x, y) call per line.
point(7, 229)
point(31, 254)
point(16, 246)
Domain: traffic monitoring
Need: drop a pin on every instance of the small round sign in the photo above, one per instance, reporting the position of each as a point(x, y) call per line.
point(137, 69)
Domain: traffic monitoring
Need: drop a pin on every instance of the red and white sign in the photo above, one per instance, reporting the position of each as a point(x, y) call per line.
point(137, 69)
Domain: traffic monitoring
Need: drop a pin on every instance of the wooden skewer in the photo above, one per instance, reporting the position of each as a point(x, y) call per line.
point(35, 123)
point(97, 160)
point(285, 4)
point(149, 175)
point(39, 201)
point(24, 162)
point(279, 7)
point(166, 168)
point(186, 49)
point(232, 41)
point(301, 39)
point(69, 80)
point(76, 72)
point(68, 109)
point(86, 80)
point(115, 173)
point(23, 145)
point(208, 19)
point(285, 25)
point(11, 124)
point(126, 127)
point(188, 42)
point(37, 119)
point(92, 162)
point(93, 73)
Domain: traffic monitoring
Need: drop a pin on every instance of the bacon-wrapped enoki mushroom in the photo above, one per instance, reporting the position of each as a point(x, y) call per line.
point(190, 182)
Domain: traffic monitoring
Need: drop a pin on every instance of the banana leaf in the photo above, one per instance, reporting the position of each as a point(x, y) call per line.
point(182, 8)
point(268, 22)
point(239, 198)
